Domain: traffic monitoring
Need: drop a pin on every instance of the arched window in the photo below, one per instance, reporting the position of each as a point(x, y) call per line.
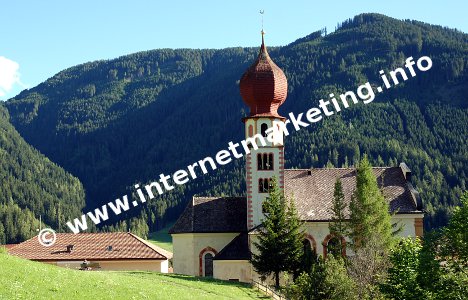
point(333, 245)
point(311, 242)
point(265, 161)
point(306, 245)
point(208, 264)
point(263, 129)
point(263, 185)
point(250, 131)
point(206, 261)
point(260, 186)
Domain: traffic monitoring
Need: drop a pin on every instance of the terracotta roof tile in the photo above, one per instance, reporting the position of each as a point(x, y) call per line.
point(91, 246)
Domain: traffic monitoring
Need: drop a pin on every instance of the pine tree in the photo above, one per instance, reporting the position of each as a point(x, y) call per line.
point(296, 239)
point(278, 247)
point(370, 215)
point(338, 226)
point(2, 234)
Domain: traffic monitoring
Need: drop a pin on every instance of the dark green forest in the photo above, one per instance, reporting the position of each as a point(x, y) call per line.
point(119, 122)
point(31, 185)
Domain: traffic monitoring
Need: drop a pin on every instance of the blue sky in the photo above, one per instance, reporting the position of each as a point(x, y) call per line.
point(41, 38)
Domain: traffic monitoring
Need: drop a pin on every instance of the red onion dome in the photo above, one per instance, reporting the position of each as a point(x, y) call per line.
point(264, 86)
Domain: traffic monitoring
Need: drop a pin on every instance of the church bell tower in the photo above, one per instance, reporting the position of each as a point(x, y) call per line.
point(264, 88)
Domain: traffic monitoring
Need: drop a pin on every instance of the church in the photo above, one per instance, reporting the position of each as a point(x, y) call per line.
point(214, 236)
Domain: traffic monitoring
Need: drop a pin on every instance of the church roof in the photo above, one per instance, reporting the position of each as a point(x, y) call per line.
point(213, 214)
point(237, 249)
point(312, 190)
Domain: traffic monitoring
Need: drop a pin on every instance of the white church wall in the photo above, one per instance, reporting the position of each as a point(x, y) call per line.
point(187, 248)
point(407, 223)
point(183, 259)
point(318, 231)
point(233, 270)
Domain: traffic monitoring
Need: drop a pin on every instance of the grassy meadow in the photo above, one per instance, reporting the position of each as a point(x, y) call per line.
point(23, 279)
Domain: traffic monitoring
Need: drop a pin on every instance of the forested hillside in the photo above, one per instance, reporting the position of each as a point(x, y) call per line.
point(124, 121)
point(32, 185)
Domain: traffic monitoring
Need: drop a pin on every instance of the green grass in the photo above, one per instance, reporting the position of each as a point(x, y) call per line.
point(162, 238)
point(23, 279)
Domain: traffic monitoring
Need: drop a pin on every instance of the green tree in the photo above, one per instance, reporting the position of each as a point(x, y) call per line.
point(445, 269)
point(312, 284)
point(368, 267)
point(307, 258)
point(402, 281)
point(338, 226)
point(370, 230)
point(341, 285)
point(278, 247)
point(369, 212)
point(295, 235)
point(324, 279)
point(2, 234)
point(454, 246)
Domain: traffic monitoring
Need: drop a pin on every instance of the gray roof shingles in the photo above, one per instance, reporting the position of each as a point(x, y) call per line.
point(312, 190)
point(237, 249)
point(213, 214)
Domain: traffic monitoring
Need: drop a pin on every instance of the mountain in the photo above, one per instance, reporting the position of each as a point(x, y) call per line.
point(118, 122)
point(31, 185)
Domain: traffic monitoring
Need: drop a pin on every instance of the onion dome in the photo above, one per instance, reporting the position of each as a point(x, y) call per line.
point(264, 86)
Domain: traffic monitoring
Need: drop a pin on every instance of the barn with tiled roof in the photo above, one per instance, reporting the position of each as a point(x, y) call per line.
point(103, 251)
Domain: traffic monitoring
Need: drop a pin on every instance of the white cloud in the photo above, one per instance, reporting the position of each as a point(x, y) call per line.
point(9, 75)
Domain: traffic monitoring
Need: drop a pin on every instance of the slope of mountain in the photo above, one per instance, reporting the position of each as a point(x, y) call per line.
point(117, 122)
point(32, 185)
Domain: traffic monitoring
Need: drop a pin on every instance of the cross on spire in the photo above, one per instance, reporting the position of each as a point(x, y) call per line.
point(263, 31)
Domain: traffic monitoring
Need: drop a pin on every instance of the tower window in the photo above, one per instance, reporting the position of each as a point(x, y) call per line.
point(250, 131)
point(264, 185)
point(265, 161)
point(263, 129)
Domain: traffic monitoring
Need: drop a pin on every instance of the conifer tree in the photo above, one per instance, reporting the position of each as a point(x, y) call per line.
point(338, 226)
point(370, 215)
point(278, 247)
point(296, 239)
